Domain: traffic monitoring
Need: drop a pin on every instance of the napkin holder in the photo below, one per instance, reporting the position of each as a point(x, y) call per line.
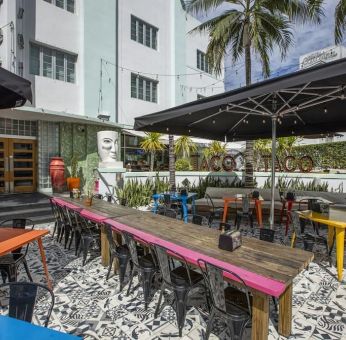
point(230, 240)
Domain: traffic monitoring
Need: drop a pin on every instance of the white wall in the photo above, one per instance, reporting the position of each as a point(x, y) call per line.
point(199, 41)
point(138, 57)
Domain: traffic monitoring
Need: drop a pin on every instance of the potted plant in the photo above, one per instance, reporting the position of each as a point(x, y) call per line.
point(73, 182)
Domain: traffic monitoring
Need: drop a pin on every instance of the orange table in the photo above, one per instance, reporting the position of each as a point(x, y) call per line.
point(258, 208)
point(12, 239)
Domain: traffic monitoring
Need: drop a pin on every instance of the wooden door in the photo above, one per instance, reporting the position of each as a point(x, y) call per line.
point(22, 165)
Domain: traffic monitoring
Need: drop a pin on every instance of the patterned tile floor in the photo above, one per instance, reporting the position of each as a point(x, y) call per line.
point(89, 306)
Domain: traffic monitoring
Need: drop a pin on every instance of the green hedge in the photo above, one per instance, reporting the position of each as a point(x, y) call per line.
point(325, 156)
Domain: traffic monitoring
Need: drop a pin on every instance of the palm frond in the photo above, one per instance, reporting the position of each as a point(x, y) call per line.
point(340, 21)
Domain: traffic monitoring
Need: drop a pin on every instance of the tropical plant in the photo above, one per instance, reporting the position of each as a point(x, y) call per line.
point(74, 166)
point(183, 164)
point(215, 148)
point(261, 147)
point(171, 160)
point(340, 21)
point(152, 143)
point(285, 145)
point(284, 184)
point(184, 145)
point(252, 26)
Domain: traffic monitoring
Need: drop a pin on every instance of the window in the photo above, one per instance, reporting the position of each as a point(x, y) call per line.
point(199, 96)
point(143, 32)
point(143, 88)
point(202, 63)
point(68, 5)
point(51, 63)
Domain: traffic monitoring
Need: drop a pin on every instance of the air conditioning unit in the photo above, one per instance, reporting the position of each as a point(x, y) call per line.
point(20, 13)
point(20, 41)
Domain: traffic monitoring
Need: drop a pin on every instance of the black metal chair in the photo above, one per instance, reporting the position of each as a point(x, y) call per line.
point(230, 303)
point(98, 196)
point(121, 252)
point(267, 235)
point(245, 211)
point(55, 212)
point(180, 280)
point(214, 213)
point(198, 219)
point(64, 229)
point(223, 226)
point(145, 266)
point(170, 213)
point(89, 235)
point(18, 300)
point(9, 263)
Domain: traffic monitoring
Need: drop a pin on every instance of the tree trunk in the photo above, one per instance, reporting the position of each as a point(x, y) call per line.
point(249, 152)
point(171, 162)
point(152, 157)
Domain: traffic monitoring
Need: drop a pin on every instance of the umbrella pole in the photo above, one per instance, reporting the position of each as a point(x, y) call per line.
point(272, 205)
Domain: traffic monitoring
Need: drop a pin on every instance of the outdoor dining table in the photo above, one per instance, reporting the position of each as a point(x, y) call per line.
point(98, 212)
point(268, 269)
point(334, 226)
point(13, 329)
point(14, 238)
point(191, 196)
point(237, 198)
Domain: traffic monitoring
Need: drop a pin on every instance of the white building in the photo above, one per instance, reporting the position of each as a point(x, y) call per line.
point(84, 58)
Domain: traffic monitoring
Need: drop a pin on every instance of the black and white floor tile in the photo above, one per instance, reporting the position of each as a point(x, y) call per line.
point(89, 306)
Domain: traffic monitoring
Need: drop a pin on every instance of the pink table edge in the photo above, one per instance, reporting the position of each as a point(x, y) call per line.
point(265, 285)
point(63, 203)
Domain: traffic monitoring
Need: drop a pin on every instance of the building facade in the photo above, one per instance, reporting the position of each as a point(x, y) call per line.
point(93, 65)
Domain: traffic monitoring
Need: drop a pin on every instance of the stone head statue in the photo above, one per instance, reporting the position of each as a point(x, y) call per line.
point(107, 144)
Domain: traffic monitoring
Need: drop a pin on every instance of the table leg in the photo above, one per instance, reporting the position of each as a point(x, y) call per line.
point(225, 208)
point(156, 205)
point(260, 316)
point(104, 247)
point(285, 312)
point(193, 205)
point(44, 262)
point(185, 211)
point(340, 239)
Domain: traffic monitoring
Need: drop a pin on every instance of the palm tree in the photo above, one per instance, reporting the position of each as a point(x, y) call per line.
point(184, 145)
point(215, 148)
point(171, 159)
point(152, 143)
point(252, 26)
point(340, 21)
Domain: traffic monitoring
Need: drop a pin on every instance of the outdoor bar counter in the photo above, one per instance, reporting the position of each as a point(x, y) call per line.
point(267, 269)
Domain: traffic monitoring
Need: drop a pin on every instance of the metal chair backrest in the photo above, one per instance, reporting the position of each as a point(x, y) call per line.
point(54, 209)
point(131, 244)
point(267, 234)
point(19, 223)
point(214, 278)
point(171, 213)
point(163, 256)
point(246, 204)
point(21, 297)
point(112, 243)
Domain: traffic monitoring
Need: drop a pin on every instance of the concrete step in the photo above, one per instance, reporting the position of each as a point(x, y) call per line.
point(24, 206)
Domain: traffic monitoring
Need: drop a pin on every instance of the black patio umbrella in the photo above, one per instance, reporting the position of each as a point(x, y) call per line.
point(14, 90)
point(306, 102)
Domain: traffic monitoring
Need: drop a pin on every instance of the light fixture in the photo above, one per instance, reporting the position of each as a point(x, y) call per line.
point(104, 116)
point(293, 132)
point(20, 13)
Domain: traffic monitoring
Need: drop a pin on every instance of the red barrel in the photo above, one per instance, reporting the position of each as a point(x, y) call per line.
point(56, 171)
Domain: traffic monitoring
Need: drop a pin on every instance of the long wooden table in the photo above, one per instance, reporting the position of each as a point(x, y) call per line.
point(267, 269)
point(337, 227)
point(13, 238)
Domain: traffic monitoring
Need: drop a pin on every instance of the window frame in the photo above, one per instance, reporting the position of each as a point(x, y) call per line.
point(65, 5)
point(153, 32)
point(202, 62)
point(142, 95)
point(54, 53)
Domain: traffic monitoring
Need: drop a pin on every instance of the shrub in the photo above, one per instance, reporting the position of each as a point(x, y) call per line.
point(183, 164)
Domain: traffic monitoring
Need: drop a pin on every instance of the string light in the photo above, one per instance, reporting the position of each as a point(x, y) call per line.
point(325, 110)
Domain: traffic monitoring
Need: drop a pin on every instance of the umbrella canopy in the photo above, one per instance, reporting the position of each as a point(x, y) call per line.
point(306, 102)
point(14, 90)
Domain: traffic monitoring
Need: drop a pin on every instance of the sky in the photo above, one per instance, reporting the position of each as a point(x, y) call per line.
point(307, 38)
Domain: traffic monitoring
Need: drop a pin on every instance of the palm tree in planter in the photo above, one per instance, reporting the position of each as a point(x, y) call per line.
point(152, 143)
point(252, 27)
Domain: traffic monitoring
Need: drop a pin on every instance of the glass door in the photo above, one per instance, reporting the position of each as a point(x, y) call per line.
point(22, 165)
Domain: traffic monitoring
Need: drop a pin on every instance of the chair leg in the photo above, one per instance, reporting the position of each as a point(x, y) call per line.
point(159, 302)
point(130, 283)
point(27, 269)
point(251, 221)
point(86, 245)
point(71, 238)
point(54, 230)
point(67, 234)
point(77, 242)
point(12, 273)
point(111, 259)
point(180, 303)
point(123, 261)
point(147, 277)
point(238, 218)
point(210, 324)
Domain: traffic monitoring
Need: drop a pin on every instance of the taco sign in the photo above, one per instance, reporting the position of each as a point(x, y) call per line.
point(230, 163)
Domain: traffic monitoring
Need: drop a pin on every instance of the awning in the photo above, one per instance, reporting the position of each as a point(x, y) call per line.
point(14, 90)
point(306, 102)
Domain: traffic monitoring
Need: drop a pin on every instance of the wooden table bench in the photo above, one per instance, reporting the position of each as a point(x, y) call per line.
point(13, 238)
point(268, 269)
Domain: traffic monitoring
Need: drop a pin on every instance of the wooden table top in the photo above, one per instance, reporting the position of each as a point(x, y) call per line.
point(103, 208)
point(320, 218)
point(269, 260)
point(11, 238)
